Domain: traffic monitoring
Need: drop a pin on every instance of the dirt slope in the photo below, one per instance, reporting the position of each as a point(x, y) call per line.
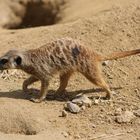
point(104, 25)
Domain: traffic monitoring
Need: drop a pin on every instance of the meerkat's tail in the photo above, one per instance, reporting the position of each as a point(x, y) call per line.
point(117, 55)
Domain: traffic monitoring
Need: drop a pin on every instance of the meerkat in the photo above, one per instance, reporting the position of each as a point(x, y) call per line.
point(65, 56)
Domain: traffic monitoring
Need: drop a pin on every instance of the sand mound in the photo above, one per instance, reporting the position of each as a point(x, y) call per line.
point(20, 118)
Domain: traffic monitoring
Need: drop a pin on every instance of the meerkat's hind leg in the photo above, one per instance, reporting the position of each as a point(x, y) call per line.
point(96, 78)
point(101, 83)
point(28, 82)
point(64, 78)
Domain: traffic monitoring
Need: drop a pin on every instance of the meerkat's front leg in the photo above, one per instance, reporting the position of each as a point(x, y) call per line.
point(28, 82)
point(43, 92)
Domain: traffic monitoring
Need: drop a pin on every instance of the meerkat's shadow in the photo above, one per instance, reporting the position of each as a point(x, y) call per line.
point(69, 95)
point(17, 94)
point(20, 94)
point(66, 96)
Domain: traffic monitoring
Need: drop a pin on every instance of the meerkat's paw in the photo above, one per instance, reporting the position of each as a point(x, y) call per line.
point(109, 96)
point(37, 100)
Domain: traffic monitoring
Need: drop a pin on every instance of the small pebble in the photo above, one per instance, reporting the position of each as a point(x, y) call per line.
point(93, 126)
point(64, 113)
point(102, 109)
point(73, 108)
point(82, 100)
point(65, 134)
point(83, 107)
point(125, 117)
point(96, 101)
point(130, 130)
point(136, 90)
point(77, 137)
point(137, 113)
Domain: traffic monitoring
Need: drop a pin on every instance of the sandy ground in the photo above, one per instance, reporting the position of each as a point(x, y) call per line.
point(104, 25)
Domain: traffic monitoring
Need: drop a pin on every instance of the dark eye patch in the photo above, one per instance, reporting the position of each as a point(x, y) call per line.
point(3, 61)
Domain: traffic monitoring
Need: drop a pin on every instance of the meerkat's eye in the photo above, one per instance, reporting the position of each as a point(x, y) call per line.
point(3, 61)
point(18, 60)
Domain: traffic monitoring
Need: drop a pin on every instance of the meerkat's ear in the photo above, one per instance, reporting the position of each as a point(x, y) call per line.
point(18, 60)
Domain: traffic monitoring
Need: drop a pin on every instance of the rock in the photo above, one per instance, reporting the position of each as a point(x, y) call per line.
point(64, 113)
point(125, 117)
point(82, 100)
point(73, 108)
point(77, 101)
point(137, 113)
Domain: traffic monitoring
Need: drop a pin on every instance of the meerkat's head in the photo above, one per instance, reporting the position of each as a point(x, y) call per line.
point(11, 60)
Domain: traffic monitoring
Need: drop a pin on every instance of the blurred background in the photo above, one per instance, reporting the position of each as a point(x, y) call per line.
point(16, 14)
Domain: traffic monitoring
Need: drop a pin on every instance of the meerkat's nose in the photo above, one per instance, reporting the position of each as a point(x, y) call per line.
point(2, 62)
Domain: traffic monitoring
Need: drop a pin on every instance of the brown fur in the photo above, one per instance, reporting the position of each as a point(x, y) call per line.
point(63, 55)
